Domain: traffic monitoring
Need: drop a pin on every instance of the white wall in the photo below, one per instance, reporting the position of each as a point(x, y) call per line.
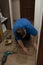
point(42, 5)
point(38, 20)
point(11, 16)
point(16, 9)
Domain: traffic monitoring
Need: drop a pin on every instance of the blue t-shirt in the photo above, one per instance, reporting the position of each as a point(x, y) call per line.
point(26, 24)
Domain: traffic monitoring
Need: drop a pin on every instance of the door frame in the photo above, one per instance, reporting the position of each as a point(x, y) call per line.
point(11, 15)
point(38, 21)
point(40, 52)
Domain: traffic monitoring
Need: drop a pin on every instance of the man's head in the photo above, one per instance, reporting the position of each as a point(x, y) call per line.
point(21, 32)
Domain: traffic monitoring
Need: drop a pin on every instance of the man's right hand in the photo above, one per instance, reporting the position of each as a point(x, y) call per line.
point(25, 50)
point(23, 47)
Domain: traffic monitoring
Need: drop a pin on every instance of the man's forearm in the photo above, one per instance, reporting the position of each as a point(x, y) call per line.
point(35, 41)
point(23, 47)
point(20, 43)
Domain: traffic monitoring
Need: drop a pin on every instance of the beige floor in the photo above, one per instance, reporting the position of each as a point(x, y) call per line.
point(20, 58)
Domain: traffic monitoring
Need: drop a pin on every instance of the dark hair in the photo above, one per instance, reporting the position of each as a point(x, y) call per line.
point(20, 32)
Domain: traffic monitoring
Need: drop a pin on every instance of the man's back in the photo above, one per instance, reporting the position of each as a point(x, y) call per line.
point(21, 23)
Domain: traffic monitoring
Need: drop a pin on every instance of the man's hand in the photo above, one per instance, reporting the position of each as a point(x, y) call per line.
point(25, 50)
point(23, 47)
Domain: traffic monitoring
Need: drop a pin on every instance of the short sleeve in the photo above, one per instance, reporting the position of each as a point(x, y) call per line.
point(32, 30)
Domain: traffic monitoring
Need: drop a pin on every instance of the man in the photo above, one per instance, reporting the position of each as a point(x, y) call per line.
point(22, 30)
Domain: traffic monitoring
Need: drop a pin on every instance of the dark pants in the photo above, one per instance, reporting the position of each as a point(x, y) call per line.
point(27, 37)
point(26, 41)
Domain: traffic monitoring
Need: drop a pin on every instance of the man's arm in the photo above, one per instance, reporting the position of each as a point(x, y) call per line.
point(20, 43)
point(35, 41)
point(23, 47)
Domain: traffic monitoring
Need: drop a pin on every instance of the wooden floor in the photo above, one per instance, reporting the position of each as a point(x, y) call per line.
point(20, 58)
